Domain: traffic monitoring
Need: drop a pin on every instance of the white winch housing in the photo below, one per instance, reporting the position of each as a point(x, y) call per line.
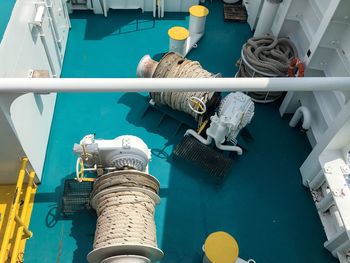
point(122, 152)
point(235, 112)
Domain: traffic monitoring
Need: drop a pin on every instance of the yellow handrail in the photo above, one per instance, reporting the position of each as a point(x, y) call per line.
point(13, 217)
point(22, 227)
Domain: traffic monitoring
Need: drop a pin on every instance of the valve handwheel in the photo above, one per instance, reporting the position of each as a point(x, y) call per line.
point(197, 105)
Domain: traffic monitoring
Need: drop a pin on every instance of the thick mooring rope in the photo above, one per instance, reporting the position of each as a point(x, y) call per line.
point(127, 178)
point(125, 209)
point(125, 218)
point(173, 65)
point(266, 56)
point(179, 100)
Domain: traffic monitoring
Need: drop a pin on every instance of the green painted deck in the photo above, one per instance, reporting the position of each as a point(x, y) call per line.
point(6, 7)
point(261, 202)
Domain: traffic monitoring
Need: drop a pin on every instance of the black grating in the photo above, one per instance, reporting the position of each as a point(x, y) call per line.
point(192, 150)
point(75, 196)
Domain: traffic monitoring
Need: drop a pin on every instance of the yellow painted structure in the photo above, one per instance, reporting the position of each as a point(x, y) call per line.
point(16, 204)
point(178, 33)
point(199, 11)
point(221, 247)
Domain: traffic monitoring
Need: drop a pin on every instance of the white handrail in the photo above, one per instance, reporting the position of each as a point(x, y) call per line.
point(24, 85)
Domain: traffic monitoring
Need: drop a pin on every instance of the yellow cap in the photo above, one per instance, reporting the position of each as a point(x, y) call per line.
point(199, 11)
point(178, 33)
point(220, 247)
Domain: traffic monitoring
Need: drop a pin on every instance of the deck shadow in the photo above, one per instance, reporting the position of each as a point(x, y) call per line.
point(141, 114)
point(82, 231)
point(120, 22)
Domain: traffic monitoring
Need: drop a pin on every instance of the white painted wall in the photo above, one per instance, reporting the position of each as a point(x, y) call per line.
point(25, 120)
point(25, 124)
point(10, 153)
point(253, 10)
point(32, 115)
point(25, 47)
point(320, 31)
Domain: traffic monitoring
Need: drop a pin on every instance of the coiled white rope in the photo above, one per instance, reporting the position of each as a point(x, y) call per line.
point(125, 218)
point(127, 178)
point(266, 56)
point(125, 205)
point(173, 65)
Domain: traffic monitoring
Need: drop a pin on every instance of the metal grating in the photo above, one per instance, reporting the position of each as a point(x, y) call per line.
point(76, 196)
point(235, 13)
point(192, 150)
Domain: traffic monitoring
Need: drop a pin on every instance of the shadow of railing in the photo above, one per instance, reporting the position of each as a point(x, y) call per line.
point(82, 223)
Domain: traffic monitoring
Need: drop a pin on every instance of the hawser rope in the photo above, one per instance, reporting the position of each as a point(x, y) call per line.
point(173, 65)
point(125, 218)
point(125, 204)
point(266, 56)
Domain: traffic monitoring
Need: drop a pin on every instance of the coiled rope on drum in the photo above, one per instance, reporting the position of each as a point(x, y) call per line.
point(124, 218)
point(266, 56)
point(125, 205)
point(173, 65)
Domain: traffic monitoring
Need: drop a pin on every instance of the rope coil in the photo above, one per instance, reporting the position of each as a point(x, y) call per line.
point(173, 65)
point(125, 205)
point(266, 56)
point(125, 218)
point(128, 178)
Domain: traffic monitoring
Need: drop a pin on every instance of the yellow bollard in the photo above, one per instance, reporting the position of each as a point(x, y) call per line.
point(220, 247)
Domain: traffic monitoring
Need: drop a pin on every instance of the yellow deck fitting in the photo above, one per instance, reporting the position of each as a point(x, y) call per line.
point(199, 11)
point(203, 125)
point(221, 247)
point(16, 203)
point(178, 33)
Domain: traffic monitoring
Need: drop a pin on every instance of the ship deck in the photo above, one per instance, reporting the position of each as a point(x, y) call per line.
point(6, 7)
point(261, 202)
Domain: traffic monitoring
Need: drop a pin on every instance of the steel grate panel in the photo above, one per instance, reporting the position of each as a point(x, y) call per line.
point(192, 150)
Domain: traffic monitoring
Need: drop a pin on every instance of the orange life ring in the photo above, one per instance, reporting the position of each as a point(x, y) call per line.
point(296, 63)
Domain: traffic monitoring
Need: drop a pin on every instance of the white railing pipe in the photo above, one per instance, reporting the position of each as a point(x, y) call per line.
point(41, 85)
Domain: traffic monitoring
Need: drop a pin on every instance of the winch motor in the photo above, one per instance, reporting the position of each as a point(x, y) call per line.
point(123, 152)
point(236, 110)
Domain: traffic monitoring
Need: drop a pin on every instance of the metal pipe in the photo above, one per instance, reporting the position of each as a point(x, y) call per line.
point(301, 113)
point(199, 137)
point(191, 42)
point(13, 211)
point(230, 148)
point(326, 202)
point(266, 18)
point(317, 181)
point(25, 85)
point(23, 228)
